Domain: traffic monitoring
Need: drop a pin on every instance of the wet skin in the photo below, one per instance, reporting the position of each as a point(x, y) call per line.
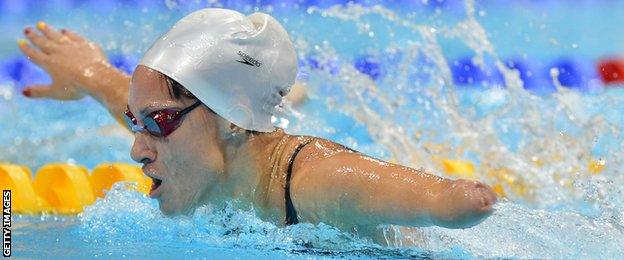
point(329, 183)
point(209, 160)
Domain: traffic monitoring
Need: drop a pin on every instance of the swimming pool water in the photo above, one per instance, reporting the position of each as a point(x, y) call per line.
point(412, 83)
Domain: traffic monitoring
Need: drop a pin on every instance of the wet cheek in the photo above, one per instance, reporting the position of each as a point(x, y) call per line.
point(170, 190)
point(188, 170)
point(188, 182)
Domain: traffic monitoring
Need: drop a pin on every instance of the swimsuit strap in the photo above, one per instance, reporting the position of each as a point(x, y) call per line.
point(291, 213)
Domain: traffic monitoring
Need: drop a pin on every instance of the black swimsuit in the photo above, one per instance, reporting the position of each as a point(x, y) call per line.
point(291, 213)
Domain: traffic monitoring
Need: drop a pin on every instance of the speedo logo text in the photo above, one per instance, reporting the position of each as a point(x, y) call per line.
point(248, 60)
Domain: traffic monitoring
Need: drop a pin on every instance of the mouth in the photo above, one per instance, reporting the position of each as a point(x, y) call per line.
point(156, 183)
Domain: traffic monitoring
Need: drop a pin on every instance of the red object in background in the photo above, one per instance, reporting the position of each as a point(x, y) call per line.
point(611, 70)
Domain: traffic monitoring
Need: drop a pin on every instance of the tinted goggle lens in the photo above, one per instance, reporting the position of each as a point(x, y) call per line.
point(150, 124)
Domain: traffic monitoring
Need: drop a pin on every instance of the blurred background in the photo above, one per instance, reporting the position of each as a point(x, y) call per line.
point(532, 36)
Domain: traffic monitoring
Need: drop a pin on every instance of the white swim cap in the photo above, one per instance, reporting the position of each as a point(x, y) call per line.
point(239, 66)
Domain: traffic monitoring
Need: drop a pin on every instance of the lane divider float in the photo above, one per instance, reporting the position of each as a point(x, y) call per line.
point(504, 178)
point(18, 178)
point(60, 188)
point(105, 175)
point(64, 188)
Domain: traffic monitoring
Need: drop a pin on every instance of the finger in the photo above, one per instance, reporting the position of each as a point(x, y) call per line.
point(39, 41)
point(51, 91)
point(33, 54)
point(49, 32)
point(37, 91)
point(72, 35)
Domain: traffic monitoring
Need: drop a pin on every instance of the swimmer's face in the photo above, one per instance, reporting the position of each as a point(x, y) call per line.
point(189, 162)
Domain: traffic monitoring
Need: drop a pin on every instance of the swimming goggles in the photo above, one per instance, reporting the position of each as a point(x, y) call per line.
point(160, 123)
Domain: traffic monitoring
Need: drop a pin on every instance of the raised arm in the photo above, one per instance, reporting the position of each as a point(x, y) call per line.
point(77, 67)
point(349, 189)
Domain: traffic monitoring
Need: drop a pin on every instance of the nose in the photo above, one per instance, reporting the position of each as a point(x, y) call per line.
point(141, 151)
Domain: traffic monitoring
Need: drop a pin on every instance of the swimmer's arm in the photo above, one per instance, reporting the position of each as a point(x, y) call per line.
point(77, 67)
point(349, 189)
point(110, 88)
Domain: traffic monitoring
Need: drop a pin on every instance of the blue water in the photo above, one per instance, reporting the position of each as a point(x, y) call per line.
point(128, 224)
point(400, 82)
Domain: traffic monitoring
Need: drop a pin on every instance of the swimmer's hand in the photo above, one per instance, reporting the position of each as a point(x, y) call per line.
point(68, 58)
point(465, 204)
point(77, 66)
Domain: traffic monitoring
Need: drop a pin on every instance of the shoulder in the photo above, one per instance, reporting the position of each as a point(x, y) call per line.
point(327, 159)
point(319, 154)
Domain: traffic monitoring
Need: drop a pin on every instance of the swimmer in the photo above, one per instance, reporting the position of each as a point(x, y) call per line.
point(200, 104)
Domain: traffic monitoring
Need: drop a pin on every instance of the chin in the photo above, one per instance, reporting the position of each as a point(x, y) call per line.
point(174, 209)
point(167, 209)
